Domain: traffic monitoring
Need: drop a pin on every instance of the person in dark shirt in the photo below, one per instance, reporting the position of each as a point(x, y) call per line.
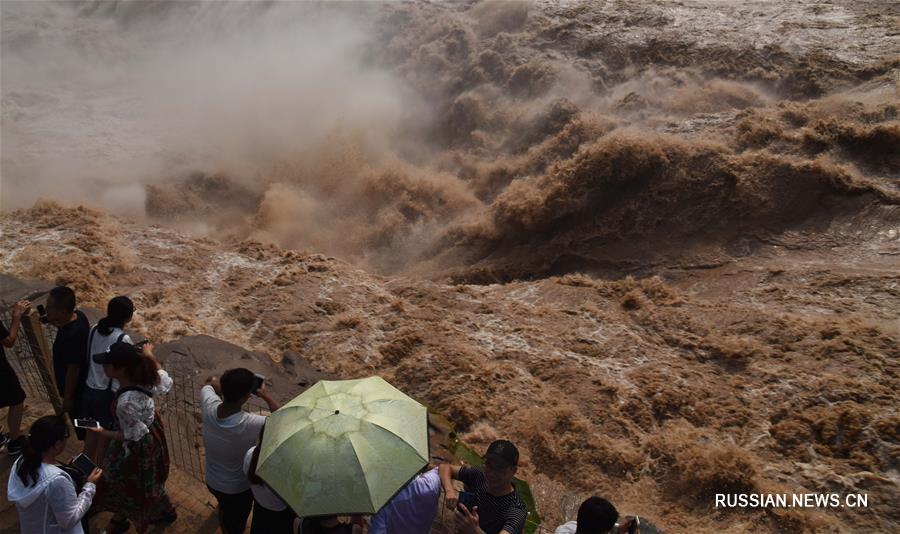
point(70, 365)
point(11, 393)
point(498, 508)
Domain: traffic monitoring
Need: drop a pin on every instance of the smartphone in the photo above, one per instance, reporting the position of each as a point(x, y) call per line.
point(468, 499)
point(42, 313)
point(83, 463)
point(258, 382)
point(140, 344)
point(86, 423)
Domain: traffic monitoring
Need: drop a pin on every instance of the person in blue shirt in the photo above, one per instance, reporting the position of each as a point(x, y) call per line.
point(413, 509)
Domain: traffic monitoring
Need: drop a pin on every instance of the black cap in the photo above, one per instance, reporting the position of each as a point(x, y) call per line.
point(118, 353)
point(596, 514)
point(504, 451)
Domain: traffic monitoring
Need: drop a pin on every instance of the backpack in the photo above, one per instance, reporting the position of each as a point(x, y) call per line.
point(126, 389)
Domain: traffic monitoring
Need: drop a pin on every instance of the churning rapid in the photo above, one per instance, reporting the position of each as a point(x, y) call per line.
point(656, 244)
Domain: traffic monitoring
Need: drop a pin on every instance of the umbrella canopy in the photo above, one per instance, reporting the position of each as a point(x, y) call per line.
point(344, 447)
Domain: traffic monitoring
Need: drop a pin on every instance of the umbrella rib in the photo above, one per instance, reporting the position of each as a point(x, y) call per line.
point(273, 443)
point(402, 440)
point(362, 470)
point(398, 436)
point(404, 444)
point(319, 400)
point(366, 420)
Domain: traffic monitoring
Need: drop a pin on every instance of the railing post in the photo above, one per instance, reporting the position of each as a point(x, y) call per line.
point(43, 357)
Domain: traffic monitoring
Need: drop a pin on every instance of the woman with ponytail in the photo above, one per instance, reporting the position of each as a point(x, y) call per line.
point(137, 458)
point(44, 494)
point(100, 390)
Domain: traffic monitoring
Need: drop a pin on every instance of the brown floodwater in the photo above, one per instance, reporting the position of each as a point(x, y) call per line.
point(655, 244)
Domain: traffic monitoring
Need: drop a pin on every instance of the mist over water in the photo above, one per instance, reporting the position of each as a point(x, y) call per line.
point(426, 138)
point(102, 97)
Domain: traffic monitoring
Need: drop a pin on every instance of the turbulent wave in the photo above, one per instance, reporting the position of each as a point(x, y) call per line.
point(443, 139)
point(775, 375)
point(692, 206)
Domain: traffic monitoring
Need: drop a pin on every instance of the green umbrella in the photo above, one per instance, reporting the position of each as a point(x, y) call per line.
point(344, 447)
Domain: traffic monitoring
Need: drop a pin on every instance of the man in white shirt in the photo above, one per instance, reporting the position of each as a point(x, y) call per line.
point(228, 432)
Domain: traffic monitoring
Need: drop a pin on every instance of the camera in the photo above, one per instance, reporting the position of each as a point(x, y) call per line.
point(258, 380)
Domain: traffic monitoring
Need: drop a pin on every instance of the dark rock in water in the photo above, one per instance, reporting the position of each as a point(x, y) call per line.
point(14, 289)
point(199, 357)
point(301, 371)
point(204, 356)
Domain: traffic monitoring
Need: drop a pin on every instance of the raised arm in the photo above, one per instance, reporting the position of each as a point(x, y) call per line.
point(270, 401)
point(448, 474)
point(18, 311)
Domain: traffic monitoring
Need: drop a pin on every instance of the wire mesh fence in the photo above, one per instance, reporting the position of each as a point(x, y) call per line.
point(182, 417)
point(27, 358)
point(180, 413)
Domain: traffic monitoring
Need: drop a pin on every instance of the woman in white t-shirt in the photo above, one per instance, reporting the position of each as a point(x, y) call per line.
point(270, 513)
point(100, 390)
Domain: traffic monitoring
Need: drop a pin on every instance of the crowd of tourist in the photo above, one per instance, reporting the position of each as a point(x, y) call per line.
point(103, 377)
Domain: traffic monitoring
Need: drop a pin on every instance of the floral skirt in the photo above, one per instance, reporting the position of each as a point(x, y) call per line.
point(134, 483)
